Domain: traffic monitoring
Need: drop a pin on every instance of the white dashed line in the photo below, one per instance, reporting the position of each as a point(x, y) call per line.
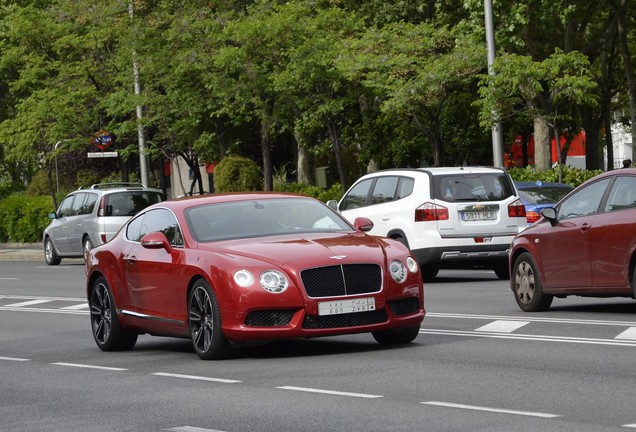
point(28, 303)
point(195, 377)
point(191, 429)
point(15, 359)
point(331, 392)
point(488, 409)
point(76, 307)
point(502, 326)
point(77, 365)
point(629, 334)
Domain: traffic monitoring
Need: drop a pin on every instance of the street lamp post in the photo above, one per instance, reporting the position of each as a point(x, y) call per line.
point(57, 177)
point(497, 135)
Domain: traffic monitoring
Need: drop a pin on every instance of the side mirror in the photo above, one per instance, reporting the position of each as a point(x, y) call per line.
point(156, 240)
point(363, 224)
point(333, 205)
point(550, 214)
point(52, 216)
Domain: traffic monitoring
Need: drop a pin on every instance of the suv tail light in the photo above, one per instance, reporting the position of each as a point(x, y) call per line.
point(102, 207)
point(430, 212)
point(517, 209)
point(532, 216)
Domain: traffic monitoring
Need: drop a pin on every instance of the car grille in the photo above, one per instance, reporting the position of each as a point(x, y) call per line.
point(404, 306)
point(345, 320)
point(342, 280)
point(269, 318)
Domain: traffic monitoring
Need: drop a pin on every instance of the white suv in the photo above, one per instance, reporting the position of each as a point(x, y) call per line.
point(462, 217)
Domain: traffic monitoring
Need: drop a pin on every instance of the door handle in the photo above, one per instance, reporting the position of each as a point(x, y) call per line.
point(130, 259)
point(585, 227)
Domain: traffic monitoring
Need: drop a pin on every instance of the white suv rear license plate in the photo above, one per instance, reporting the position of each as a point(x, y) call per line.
point(479, 216)
point(346, 306)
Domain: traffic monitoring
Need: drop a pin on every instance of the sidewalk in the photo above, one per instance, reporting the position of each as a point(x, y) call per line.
point(21, 252)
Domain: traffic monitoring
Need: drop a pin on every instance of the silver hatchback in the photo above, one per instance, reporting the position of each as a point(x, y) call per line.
point(91, 217)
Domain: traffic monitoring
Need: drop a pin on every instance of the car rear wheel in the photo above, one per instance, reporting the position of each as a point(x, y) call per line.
point(527, 286)
point(204, 317)
point(397, 337)
point(87, 245)
point(107, 331)
point(50, 255)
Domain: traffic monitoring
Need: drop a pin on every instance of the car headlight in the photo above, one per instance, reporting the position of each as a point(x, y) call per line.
point(274, 281)
point(243, 278)
point(412, 265)
point(398, 271)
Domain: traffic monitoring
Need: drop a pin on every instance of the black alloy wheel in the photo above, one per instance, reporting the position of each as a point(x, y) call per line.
point(204, 317)
point(107, 332)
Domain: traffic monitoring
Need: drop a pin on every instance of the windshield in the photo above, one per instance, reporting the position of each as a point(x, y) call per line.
point(257, 218)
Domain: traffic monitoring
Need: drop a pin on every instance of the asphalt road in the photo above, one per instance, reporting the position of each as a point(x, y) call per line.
point(479, 363)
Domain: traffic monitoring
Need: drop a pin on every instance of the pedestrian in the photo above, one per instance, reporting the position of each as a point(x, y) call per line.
point(627, 163)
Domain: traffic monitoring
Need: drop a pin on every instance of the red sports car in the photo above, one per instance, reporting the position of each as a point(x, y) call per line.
point(228, 269)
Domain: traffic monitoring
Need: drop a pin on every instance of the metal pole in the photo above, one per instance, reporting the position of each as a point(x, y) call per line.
point(57, 177)
point(497, 135)
point(143, 157)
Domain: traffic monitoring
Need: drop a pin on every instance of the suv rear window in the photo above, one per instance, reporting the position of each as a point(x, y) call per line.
point(129, 203)
point(472, 187)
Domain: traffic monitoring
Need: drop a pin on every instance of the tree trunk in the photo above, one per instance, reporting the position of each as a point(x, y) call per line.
point(333, 133)
point(268, 176)
point(302, 162)
point(542, 153)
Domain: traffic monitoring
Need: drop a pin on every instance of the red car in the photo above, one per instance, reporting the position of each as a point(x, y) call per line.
point(585, 245)
point(228, 269)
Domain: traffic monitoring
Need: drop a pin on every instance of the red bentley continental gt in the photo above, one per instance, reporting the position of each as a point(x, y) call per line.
point(228, 269)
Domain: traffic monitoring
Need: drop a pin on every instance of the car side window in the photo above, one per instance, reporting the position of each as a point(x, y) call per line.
point(622, 195)
point(89, 203)
point(405, 188)
point(66, 208)
point(584, 202)
point(133, 231)
point(162, 220)
point(76, 209)
point(357, 196)
point(384, 189)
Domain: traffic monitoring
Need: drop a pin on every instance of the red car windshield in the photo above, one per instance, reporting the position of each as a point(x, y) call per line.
point(257, 218)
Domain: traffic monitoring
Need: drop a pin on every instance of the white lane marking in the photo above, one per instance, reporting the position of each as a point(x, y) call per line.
point(76, 307)
point(503, 326)
point(191, 429)
point(488, 409)
point(531, 319)
point(59, 311)
point(331, 392)
point(633, 425)
point(25, 297)
point(629, 334)
point(6, 278)
point(78, 365)
point(28, 303)
point(15, 359)
point(588, 341)
point(195, 377)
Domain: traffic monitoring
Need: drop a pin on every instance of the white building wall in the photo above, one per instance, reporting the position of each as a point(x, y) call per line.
point(181, 178)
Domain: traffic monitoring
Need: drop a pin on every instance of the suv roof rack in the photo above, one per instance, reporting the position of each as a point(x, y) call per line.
point(115, 185)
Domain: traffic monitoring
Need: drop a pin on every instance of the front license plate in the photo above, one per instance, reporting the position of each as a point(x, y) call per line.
point(346, 306)
point(479, 216)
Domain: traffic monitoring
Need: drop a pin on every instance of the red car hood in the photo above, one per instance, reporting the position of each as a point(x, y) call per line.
point(317, 249)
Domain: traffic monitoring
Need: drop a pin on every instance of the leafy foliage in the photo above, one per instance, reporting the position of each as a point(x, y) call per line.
point(237, 174)
point(23, 218)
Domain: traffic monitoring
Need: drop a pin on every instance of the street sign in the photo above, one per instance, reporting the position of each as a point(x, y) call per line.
point(102, 154)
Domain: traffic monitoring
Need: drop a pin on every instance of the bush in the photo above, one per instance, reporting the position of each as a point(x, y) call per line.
point(23, 218)
point(324, 195)
point(237, 174)
point(571, 176)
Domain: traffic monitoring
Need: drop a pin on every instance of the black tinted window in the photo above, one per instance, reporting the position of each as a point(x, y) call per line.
point(357, 196)
point(473, 187)
point(162, 220)
point(129, 203)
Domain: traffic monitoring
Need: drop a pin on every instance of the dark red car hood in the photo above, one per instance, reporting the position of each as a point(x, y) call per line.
point(321, 248)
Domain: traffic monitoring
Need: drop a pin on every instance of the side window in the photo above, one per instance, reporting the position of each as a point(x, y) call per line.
point(584, 202)
point(384, 190)
point(66, 208)
point(622, 195)
point(89, 204)
point(357, 196)
point(78, 203)
point(164, 221)
point(133, 231)
point(405, 188)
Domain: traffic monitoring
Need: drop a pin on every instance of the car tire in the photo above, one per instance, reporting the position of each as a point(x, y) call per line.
point(87, 245)
point(397, 337)
point(204, 320)
point(107, 331)
point(527, 286)
point(50, 256)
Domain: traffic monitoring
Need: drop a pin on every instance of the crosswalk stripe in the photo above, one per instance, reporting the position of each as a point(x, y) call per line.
point(629, 334)
point(502, 326)
point(28, 303)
